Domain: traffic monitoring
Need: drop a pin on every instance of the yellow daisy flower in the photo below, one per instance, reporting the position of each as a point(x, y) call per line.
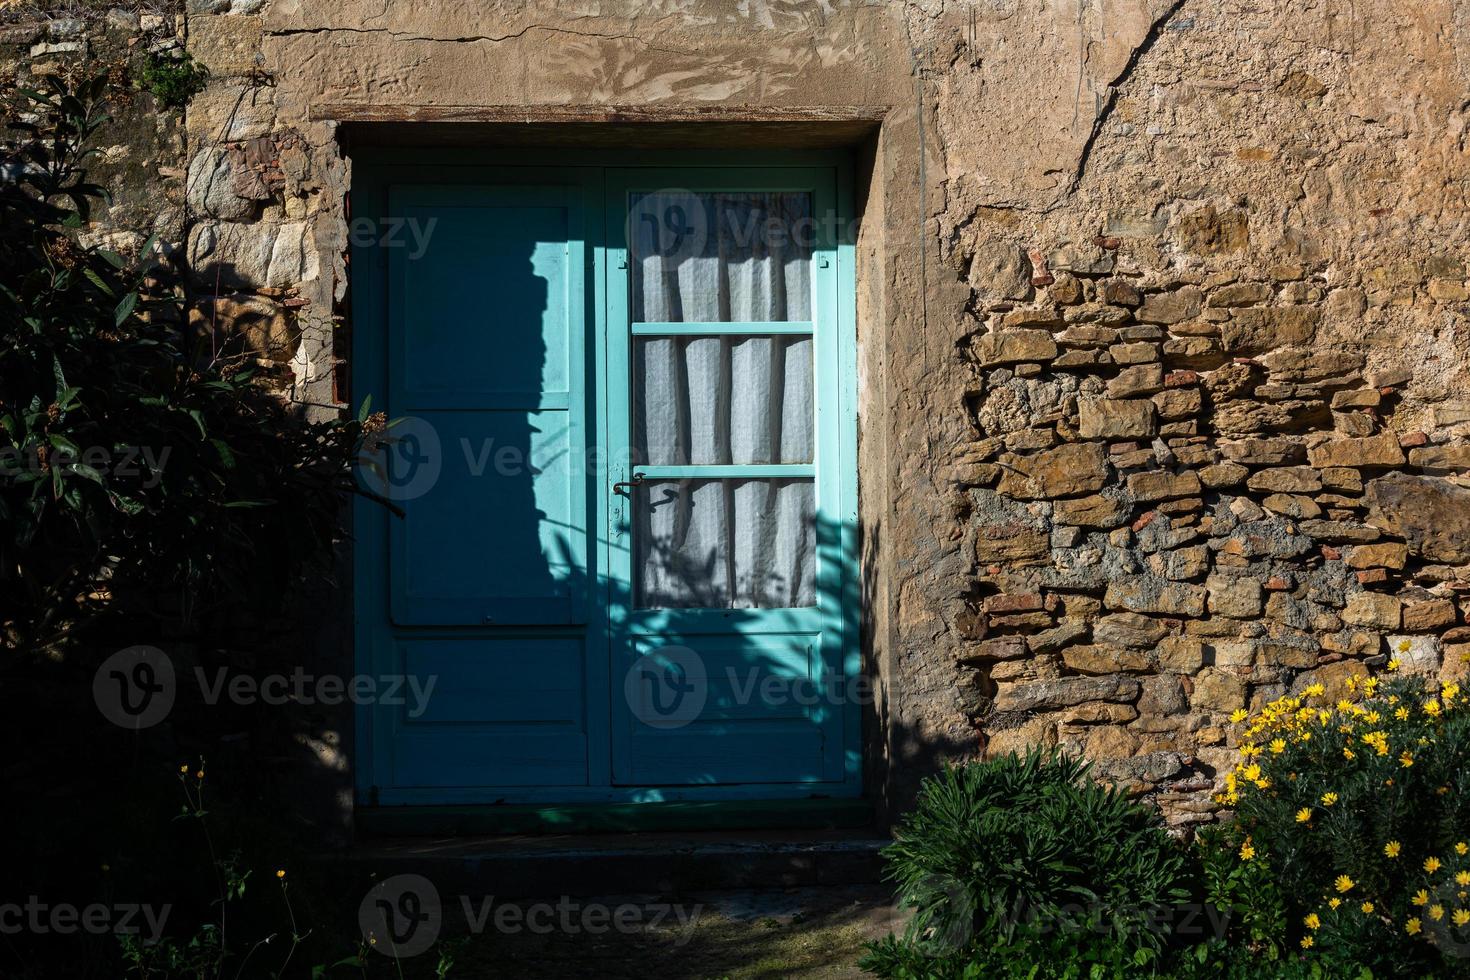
point(1344, 883)
point(1306, 942)
point(1391, 849)
point(1412, 927)
point(1303, 815)
point(1462, 848)
point(1329, 798)
point(1436, 912)
point(1432, 864)
point(1421, 897)
point(1461, 917)
point(1367, 908)
point(1312, 921)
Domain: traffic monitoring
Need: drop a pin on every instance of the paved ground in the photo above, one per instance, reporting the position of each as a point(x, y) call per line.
point(741, 935)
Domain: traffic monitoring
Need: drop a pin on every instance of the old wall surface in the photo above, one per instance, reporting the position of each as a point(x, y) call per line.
point(1161, 309)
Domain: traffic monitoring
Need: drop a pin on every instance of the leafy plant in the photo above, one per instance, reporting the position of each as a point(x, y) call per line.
point(174, 80)
point(138, 475)
point(1352, 836)
point(1029, 852)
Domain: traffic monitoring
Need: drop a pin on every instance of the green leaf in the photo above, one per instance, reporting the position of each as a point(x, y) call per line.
point(124, 309)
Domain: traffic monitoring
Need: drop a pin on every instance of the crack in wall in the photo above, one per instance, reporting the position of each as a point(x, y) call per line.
point(1155, 31)
point(469, 38)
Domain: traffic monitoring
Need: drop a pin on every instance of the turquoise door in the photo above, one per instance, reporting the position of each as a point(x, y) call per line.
point(618, 564)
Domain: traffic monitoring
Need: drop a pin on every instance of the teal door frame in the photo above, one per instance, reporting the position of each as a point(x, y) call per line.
point(598, 183)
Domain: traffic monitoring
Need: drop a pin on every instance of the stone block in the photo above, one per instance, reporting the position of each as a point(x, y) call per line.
point(1171, 307)
point(1387, 554)
point(1101, 659)
point(1065, 692)
point(1116, 418)
point(1178, 403)
point(1015, 346)
point(1416, 654)
point(1141, 379)
point(1219, 475)
point(1066, 471)
point(1431, 514)
point(1163, 485)
point(1100, 510)
point(257, 255)
point(1379, 450)
point(1129, 630)
point(1240, 294)
point(1218, 691)
point(1264, 452)
point(1448, 457)
point(1422, 615)
point(1286, 479)
point(1265, 329)
point(1374, 610)
point(1236, 597)
point(1181, 654)
point(1151, 594)
point(1292, 505)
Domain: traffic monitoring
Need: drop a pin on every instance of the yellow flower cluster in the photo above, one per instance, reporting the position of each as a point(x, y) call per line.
point(1291, 720)
point(1369, 719)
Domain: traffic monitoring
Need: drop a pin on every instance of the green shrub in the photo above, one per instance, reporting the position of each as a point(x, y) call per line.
point(1030, 853)
point(1352, 836)
point(174, 80)
point(138, 476)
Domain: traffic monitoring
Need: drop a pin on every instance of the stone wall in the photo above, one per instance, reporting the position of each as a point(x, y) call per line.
point(1162, 309)
point(1213, 387)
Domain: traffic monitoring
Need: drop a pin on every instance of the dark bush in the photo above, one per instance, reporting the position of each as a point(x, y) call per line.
point(138, 476)
point(1028, 853)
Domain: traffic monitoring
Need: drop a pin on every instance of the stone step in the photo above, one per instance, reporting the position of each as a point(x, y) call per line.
point(542, 865)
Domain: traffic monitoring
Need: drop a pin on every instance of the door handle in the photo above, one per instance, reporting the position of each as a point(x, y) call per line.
point(623, 487)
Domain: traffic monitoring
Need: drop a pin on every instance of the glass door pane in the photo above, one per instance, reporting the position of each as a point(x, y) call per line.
point(727, 256)
point(723, 400)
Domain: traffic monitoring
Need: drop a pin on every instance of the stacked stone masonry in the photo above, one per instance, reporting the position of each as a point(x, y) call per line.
point(1178, 507)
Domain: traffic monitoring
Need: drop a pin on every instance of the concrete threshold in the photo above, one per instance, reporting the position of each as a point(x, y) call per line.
point(665, 862)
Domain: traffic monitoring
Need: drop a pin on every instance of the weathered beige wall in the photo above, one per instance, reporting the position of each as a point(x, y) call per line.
point(1134, 275)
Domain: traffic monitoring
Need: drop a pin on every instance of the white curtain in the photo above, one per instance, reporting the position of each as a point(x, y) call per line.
point(747, 544)
point(741, 400)
point(721, 258)
point(723, 400)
